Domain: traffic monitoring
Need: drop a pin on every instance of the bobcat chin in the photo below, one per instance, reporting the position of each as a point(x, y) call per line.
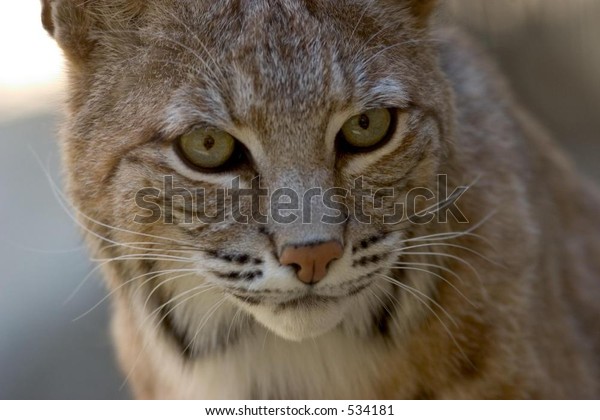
point(422, 237)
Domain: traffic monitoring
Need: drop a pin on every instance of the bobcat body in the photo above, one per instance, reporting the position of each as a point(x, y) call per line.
point(504, 306)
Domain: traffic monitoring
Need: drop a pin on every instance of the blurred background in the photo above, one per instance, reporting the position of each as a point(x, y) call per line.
point(547, 48)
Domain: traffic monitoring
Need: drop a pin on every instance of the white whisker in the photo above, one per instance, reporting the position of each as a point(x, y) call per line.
point(155, 257)
point(445, 255)
point(148, 317)
point(411, 291)
point(453, 235)
point(407, 287)
point(401, 250)
point(205, 320)
point(159, 285)
point(140, 247)
point(153, 274)
point(449, 283)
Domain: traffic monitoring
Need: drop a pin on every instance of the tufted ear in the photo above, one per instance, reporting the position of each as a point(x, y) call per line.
point(77, 25)
point(70, 23)
point(47, 16)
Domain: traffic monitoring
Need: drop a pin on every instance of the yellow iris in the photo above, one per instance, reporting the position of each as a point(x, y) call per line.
point(367, 129)
point(207, 148)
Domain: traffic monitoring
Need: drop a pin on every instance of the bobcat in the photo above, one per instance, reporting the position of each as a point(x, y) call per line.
point(496, 295)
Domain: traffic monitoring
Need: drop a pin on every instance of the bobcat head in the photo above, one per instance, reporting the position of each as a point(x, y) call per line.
point(175, 103)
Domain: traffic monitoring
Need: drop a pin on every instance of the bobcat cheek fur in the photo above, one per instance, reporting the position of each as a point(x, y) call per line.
point(502, 307)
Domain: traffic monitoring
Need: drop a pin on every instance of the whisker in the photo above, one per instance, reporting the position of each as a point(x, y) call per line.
point(437, 305)
point(204, 321)
point(62, 199)
point(159, 285)
point(196, 291)
point(154, 275)
point(445, 255)
point(156, 257)
point(439, 267)
point(401, 250)
point(264, 341)
point(411, 291)
point(137, 359)
point(101, 264)
point(449, 283)
point(237, 313)
point(382, 304)
point(134, 245)
point(394, 318)
point(453, 235)
point(83, 282)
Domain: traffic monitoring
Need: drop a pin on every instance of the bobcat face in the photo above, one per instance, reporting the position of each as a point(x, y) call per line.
point(273, 84)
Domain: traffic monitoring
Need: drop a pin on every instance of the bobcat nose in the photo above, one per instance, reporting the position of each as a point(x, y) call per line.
point(311, 261)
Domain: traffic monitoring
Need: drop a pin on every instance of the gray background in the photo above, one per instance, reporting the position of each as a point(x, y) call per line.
point(549, 50)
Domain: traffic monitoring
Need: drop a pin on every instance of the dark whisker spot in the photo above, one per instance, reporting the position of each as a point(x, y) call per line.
point(369, 259)
point(240, 275)
point(241, 259)
point(367, 242)
point(235, 258)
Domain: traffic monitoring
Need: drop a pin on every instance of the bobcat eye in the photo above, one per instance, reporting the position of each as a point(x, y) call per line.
point(367, 129)
point(207, 148)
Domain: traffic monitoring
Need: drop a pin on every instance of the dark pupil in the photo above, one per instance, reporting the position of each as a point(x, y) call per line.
point(363, 122)
point(209, 143)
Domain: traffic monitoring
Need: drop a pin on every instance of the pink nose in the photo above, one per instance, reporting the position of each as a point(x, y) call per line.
point(312, 261)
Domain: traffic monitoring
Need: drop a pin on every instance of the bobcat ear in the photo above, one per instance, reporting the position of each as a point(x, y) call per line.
point(70, 23)
point(78, 26)
point(47, 16)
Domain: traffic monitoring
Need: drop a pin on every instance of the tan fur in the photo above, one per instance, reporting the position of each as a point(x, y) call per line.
point(517, 316)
